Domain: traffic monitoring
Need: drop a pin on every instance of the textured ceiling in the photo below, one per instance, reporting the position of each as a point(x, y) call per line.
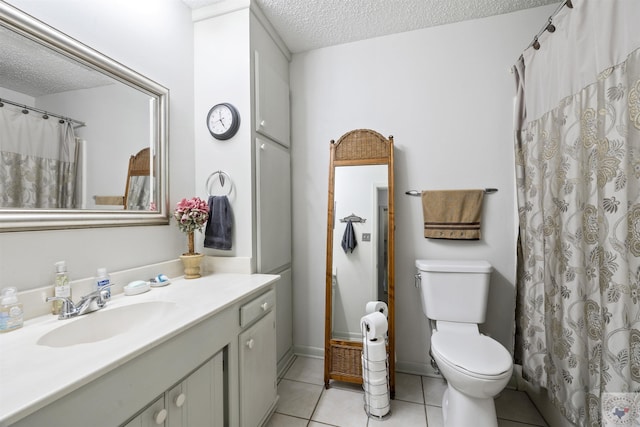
point(311, 24)
point(32, 69)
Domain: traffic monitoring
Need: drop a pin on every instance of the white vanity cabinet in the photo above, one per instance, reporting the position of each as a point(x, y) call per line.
point(153, 416)
point(210, 361)
point(198, 400)
point(257, 355)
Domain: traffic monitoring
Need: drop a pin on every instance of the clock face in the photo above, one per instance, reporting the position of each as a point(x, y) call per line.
point(223, 121)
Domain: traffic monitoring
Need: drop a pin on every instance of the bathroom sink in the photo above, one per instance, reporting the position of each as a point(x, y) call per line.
point(104, 324)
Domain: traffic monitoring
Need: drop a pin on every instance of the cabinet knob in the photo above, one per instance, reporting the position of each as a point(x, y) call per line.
point(262, 146)
point(263, 123)
point(160, 416)
point(264, 306)
point(179, 401)
point(250, 343)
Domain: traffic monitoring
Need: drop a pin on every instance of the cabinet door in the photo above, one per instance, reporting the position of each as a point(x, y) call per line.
point(273, 206)
point(258, 390)
point(199, 399)
point(272, 102)
point(154, 416)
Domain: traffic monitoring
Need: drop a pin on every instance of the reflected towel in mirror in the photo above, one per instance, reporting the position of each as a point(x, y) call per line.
point(349, 238)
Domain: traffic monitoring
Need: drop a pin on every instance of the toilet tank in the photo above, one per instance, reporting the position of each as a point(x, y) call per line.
point(454, 290)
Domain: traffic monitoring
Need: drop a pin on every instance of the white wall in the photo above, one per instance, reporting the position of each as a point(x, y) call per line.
point(155, 38)
point(222, 74)
point(446, 95)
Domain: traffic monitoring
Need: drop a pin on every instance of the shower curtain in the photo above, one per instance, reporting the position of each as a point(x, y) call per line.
point(37, 161)
point(578, 184)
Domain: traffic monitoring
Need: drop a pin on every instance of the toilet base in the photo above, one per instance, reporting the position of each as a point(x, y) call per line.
point(460, 410)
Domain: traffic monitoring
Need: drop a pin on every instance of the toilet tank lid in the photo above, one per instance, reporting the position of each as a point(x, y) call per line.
point(453, 266)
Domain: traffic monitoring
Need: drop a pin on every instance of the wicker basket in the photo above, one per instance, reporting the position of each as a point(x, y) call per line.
point(346, 361)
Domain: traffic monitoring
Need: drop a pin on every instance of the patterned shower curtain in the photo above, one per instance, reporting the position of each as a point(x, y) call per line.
point(578, 184)
point(37, 161)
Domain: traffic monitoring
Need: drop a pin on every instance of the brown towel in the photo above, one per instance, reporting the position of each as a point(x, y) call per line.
point(452, 214)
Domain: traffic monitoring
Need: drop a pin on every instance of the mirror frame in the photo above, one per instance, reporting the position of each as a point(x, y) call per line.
point(342, 360)
point(47, 219)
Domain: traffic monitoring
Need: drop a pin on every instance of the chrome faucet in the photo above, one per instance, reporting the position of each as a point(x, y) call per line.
point(88, 303)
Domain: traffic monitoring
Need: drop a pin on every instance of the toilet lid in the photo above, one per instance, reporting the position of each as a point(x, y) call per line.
point(474, 353)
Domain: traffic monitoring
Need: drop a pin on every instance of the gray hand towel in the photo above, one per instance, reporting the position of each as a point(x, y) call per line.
point(349, 238)
point(218, 232)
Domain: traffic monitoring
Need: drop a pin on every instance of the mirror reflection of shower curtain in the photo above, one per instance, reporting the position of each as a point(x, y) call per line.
point(139, 196)
point(37, 161)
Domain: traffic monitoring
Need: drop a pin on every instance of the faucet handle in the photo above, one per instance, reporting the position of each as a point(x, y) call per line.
point(68, 307)
point(104, 295)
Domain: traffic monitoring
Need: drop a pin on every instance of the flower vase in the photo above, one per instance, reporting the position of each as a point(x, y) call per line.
point(191, 261)
point(191, 264)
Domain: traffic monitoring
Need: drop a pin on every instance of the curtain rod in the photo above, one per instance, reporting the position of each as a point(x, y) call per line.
point(549, 25)
point(46, 114)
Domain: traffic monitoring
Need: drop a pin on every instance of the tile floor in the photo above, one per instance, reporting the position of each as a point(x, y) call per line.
point(305, 403)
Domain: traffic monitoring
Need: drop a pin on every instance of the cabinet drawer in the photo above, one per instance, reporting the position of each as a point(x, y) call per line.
point(257, 307)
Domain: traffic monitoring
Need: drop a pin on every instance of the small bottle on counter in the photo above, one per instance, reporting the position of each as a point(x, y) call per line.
point(11, 314)
point(61, 286)
point(102, 280)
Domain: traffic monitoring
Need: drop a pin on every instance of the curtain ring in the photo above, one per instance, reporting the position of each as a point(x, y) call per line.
point(551, 28)
point(536, 43)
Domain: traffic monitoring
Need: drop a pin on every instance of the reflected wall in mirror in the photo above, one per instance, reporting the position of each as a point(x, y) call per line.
point(70, 120)
point(360, 260)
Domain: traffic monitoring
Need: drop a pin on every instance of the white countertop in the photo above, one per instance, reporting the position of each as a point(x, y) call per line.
point(33, 376)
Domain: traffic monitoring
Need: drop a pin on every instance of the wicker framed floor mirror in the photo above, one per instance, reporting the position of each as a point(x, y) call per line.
point(360, 250)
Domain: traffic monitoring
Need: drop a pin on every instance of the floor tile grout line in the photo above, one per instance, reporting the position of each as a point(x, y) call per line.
point(315, 407)
point(424, 399)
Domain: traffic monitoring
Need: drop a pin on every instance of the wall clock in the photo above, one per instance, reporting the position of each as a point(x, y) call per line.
point(223, 121)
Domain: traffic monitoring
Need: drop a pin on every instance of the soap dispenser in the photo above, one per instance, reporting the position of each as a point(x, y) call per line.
point(61, 287)
point(11, 314)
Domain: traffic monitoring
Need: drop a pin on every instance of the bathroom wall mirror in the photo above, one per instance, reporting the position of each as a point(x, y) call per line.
point(66, 107)
point(360, 191)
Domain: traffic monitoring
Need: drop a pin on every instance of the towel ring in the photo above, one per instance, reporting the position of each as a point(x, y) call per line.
point(222, 177)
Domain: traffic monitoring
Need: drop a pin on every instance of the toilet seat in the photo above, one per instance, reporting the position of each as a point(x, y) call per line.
point(476, 355)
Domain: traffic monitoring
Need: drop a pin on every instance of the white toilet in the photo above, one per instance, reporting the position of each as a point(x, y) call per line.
point(476, 367)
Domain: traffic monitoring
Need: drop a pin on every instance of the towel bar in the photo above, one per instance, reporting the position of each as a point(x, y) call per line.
point(419, 193)
point(221, 177)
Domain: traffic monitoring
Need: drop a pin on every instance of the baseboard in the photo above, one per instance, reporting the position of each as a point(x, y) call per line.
point(285, 361)
point(302, 350)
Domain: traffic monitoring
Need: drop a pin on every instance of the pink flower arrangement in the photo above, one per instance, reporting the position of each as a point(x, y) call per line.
point(191, 214)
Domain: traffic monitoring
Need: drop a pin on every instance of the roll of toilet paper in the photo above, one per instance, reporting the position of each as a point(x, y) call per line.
point(375, 378)
point(371, 366)
point(373, 306)
point(374, 325)
point(375, 351)
point(378, 407)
